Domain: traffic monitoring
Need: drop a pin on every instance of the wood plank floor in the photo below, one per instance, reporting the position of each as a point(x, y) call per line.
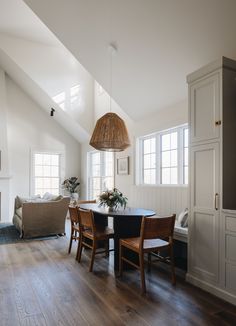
point(40, 284)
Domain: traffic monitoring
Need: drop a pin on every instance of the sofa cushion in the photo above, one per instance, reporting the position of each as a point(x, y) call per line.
point(57, 198)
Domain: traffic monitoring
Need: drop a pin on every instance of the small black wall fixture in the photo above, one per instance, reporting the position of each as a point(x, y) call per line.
point(52, 112)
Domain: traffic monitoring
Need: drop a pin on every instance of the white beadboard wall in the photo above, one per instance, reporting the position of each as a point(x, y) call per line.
point(163, 200)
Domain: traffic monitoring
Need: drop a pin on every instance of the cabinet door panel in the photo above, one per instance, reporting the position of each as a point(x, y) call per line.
point(204, 220)
point(205, 109)
point(230, 277)
point(230, 247)
point(204, 175)
point(205, 260)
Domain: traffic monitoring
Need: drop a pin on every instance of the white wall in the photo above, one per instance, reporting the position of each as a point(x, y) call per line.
point(4, 164)
point(29, 128)
point(163, 199)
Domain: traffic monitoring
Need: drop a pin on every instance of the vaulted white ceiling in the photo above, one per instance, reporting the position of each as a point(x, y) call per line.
point(159, 43)
point(17, 20)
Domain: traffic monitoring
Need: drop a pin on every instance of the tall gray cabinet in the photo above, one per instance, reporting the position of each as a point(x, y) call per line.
point(212, 225)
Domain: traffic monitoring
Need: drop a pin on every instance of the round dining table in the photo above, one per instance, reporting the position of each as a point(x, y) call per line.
point(126, 223)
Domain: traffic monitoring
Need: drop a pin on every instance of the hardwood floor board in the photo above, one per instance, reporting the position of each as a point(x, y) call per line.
point(75, 297)
point(162, 293)
point(111, 299)
point(126, 304)
point(52, 311)
point(189, 302)
point(54, 297)
point(8, 310)
point(25, 300)
point(102, 291)
point(36, 320)
point(56, 312)
point(121, 306)
point(41, 285)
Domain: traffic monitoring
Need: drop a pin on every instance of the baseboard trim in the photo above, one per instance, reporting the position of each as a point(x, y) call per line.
point(229, 297)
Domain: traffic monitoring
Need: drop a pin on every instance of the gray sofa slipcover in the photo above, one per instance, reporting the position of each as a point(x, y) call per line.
point(36, 219)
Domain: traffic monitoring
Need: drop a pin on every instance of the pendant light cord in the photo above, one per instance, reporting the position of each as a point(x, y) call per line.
point(111, 50)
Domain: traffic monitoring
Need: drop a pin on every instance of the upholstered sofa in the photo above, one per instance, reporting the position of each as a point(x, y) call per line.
point(35, 219)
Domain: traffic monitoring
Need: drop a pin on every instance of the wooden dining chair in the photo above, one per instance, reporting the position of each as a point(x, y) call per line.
point(89, 231)
point(156, 234)
point(75, 229)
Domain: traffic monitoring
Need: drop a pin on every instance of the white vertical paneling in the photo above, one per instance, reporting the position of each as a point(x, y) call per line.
point(163, 200)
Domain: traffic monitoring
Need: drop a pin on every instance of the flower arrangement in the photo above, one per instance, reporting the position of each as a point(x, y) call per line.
point(71, 184)
point(112, 199)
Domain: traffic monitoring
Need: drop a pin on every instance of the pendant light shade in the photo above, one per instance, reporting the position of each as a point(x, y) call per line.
point(110, 134)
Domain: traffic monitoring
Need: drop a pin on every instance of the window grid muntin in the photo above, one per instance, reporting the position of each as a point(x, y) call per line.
point(185, 156)
point(169, 168)
point(151, 152)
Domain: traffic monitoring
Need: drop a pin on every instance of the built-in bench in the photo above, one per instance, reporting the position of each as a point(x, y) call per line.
point(180, 246)
point(180, 233)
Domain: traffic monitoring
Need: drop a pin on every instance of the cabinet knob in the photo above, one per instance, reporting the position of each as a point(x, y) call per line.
point(218, 123)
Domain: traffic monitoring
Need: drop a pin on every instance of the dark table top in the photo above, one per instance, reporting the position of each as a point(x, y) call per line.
point(128, 211)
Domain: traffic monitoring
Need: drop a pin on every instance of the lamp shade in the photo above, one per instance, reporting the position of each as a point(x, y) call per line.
point(110, 134)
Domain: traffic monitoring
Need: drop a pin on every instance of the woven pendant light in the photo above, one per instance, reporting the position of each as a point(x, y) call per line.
point(110, 134)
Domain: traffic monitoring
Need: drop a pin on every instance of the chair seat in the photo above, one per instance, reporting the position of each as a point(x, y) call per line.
point(148, 245)
point(103, 233)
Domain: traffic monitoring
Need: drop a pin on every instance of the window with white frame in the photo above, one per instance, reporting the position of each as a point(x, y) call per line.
point(163, 157)
point(100, 172)
point(46, 173)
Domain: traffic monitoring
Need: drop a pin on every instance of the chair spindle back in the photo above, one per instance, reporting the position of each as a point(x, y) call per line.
point(74, 214)
point(86, 219)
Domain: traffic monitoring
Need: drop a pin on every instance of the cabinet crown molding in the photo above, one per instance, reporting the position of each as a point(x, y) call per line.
point(211, 67)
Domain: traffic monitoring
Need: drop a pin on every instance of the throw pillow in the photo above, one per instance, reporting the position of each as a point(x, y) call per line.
point(19, 212)
point(183, 218)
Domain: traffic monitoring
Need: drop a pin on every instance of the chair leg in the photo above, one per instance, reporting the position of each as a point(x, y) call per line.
point(93, 255)
point(141, 266)
point(71, 238)
point(107, 248)
point(149, 261)
point(172, 265)
point(77, 253)
point(120, 260)
point(80, 248)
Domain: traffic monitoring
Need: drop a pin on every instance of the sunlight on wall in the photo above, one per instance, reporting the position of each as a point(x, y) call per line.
point(69, 100)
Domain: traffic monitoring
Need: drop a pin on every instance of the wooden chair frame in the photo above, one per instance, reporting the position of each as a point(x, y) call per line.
point(90, 231)
point(75, 228)
point(160, 229)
